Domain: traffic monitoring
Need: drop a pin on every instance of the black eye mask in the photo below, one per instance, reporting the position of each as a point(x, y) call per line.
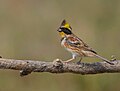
point(66, 31)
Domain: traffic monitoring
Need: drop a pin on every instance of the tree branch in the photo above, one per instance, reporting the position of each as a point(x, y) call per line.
point(57, 66)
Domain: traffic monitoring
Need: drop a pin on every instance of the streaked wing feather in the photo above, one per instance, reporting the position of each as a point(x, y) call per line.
point(74, 41)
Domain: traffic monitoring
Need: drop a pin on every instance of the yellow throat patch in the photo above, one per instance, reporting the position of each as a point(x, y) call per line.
point(62, 34)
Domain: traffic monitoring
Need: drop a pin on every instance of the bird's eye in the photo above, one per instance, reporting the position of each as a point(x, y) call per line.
point(67, 31)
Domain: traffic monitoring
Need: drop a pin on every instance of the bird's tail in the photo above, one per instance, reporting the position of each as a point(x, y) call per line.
point(104, 59)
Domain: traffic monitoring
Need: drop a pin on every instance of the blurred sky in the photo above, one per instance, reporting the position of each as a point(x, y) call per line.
point(28, 31)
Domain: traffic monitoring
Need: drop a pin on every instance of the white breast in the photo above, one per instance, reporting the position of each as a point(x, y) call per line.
point(68, 49)
point(63, 41)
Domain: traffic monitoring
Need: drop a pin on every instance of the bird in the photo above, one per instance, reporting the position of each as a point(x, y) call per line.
point(75, 45)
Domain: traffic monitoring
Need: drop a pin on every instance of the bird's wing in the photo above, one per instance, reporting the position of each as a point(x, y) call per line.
point(74, 41)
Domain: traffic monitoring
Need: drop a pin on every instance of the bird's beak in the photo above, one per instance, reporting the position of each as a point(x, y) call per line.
point(58, 29)
point(62, 34)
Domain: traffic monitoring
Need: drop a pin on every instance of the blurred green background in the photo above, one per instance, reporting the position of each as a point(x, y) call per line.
point(28, 31)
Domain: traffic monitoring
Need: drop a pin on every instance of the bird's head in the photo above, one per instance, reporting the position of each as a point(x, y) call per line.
point(64, 29)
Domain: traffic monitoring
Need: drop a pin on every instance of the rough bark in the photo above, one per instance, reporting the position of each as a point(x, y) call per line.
point(58, 66)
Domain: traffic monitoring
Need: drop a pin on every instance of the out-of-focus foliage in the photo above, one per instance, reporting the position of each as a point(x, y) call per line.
point(28, 31)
